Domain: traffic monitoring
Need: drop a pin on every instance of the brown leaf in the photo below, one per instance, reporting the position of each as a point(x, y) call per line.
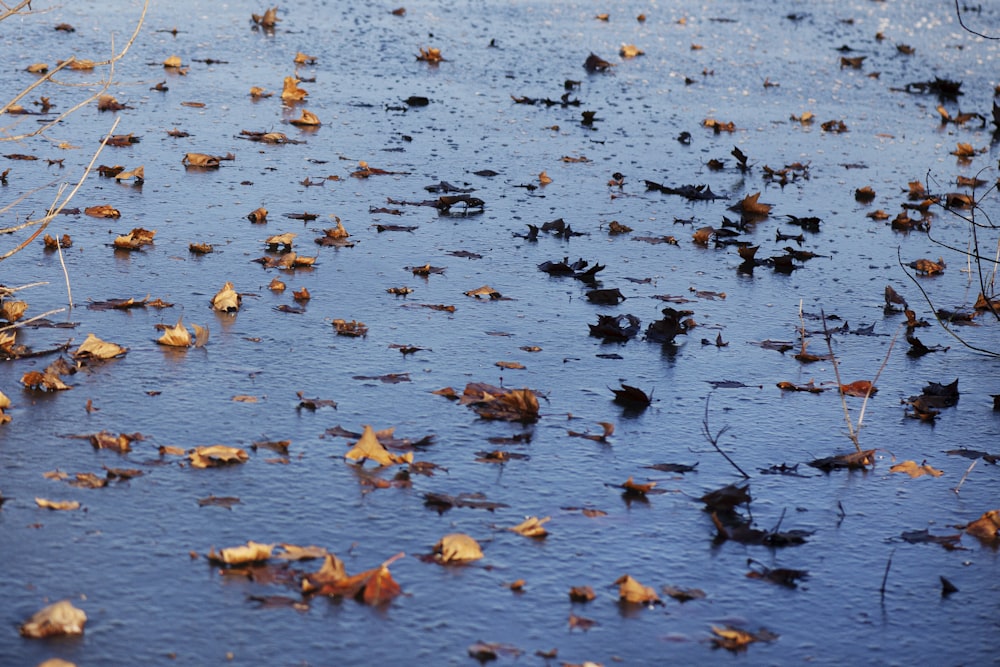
point(135, 239)
point(268, 19)
point(102, 211)
point(307, 119)
point(175, 336)
point(859, 388)
point(201, 160)
point(258, 216)
point(853, 461)
point(353, 329)
point(986, 527)
point(734, 639)
point(430, 55)
point(59, 618)
point(581, 594)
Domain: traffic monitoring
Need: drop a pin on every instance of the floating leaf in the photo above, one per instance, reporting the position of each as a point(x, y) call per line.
point(457, 548)
point(251, 552)
point(532, 527)
point(59, 618)
point(95, 348)
point(913, 469)
point(630, 590)
point(214, 456)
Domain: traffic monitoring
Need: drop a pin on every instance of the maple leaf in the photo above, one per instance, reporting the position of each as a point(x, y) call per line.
point(368, 448)
point(95, 348)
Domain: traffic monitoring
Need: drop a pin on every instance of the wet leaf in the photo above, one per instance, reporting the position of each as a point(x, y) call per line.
point(852, 461)
point(809, 387)
point(430, 55)
point(201, 160)
point(57, 504)
point(735, 640)
point(581, 622)
point(859, 388)
point(368, 448)
point(214, 456)
point(268, 19)
point(175, 336)
point(291, 92)
point(352, 329)
point(486, 651)
point(684, 594)
point(780, 575)
point(607, 427)
point(986, 527)
point(227, 299)
point(496, 403)
point(581, 594)
point(913, 469)
point(95, 348)
point(630, 590)
point(595, 63)
point(219, 501)
point(632, 398)
point(948, 542)
point(443, 502)
point(457, 548)
point(58, 618)
point(251, 552)
point(102, 211)
point(532, 526)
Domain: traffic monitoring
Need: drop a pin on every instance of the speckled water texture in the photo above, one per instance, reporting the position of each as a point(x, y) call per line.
point(125, 557)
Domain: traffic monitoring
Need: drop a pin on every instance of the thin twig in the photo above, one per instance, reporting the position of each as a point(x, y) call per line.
point(871, 386)
point(714, 440)
point(851, 433)
point(958, 12)
point(69, 290)
point(962, 481)
point(885, 576)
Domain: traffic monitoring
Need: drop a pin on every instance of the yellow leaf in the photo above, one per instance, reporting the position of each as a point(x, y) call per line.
point(457, 548)
point(531, 527)
point(59, 618)
point(216, 455)
point(250, 552)
point(913, 470)
point(172, 62)
point(369, 448)
point(57, 504)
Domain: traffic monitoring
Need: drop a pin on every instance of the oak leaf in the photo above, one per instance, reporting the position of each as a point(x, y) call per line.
point(457, 548)
point(59, 618)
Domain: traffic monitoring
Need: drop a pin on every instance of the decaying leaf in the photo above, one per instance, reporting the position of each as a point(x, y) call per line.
point(102, 211)
point(227, 300)
point(502, 404)
point(750, 206)
point(251, 552)
point(258, 216)
point(532, 527)
point(352, 329)
point(213, 456)
point(13, 310)
point(780, 575)
point(913, 469)
point(373, 587)
point(95, 348)
point(734, 639)
point(121, 443)
point(136, 239)
point(484, 291)
point(57, 504)
point(47, 380)
point(607, 427)
point(630, 590)
point(581, 594)
point(443, 502)
point(852, 461)
point(457, 548)
point(368, 448)
point(59, 618)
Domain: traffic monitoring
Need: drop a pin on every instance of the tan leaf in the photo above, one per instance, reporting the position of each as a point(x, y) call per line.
point(172, 62)
point(200, 335)
point(227, 300)
point(59, 618)
point(544, 179)
point(13, 310)
point(291, 91)
point(37, 68)
point(631, 590)
point(57, 504)
point(293, 552)
point(216, 455)
point(102, 211)
point(281, 239)
point(268, 19)
point(511, 365)
point(276, 285)
point(630, 51)
point(244, 398)
point(912, 469)
point(531, 527)
point(368, 447)
point(251, 552)
point(457, 548)
point(258, 216)
point(259, 93)
point(430, 55)
point(986, 527)
point(200, 160)
point(139, 174)
point(95, 348)
point(307, 119)
point(175, 336)
point(484, 291)
point(46, 381)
